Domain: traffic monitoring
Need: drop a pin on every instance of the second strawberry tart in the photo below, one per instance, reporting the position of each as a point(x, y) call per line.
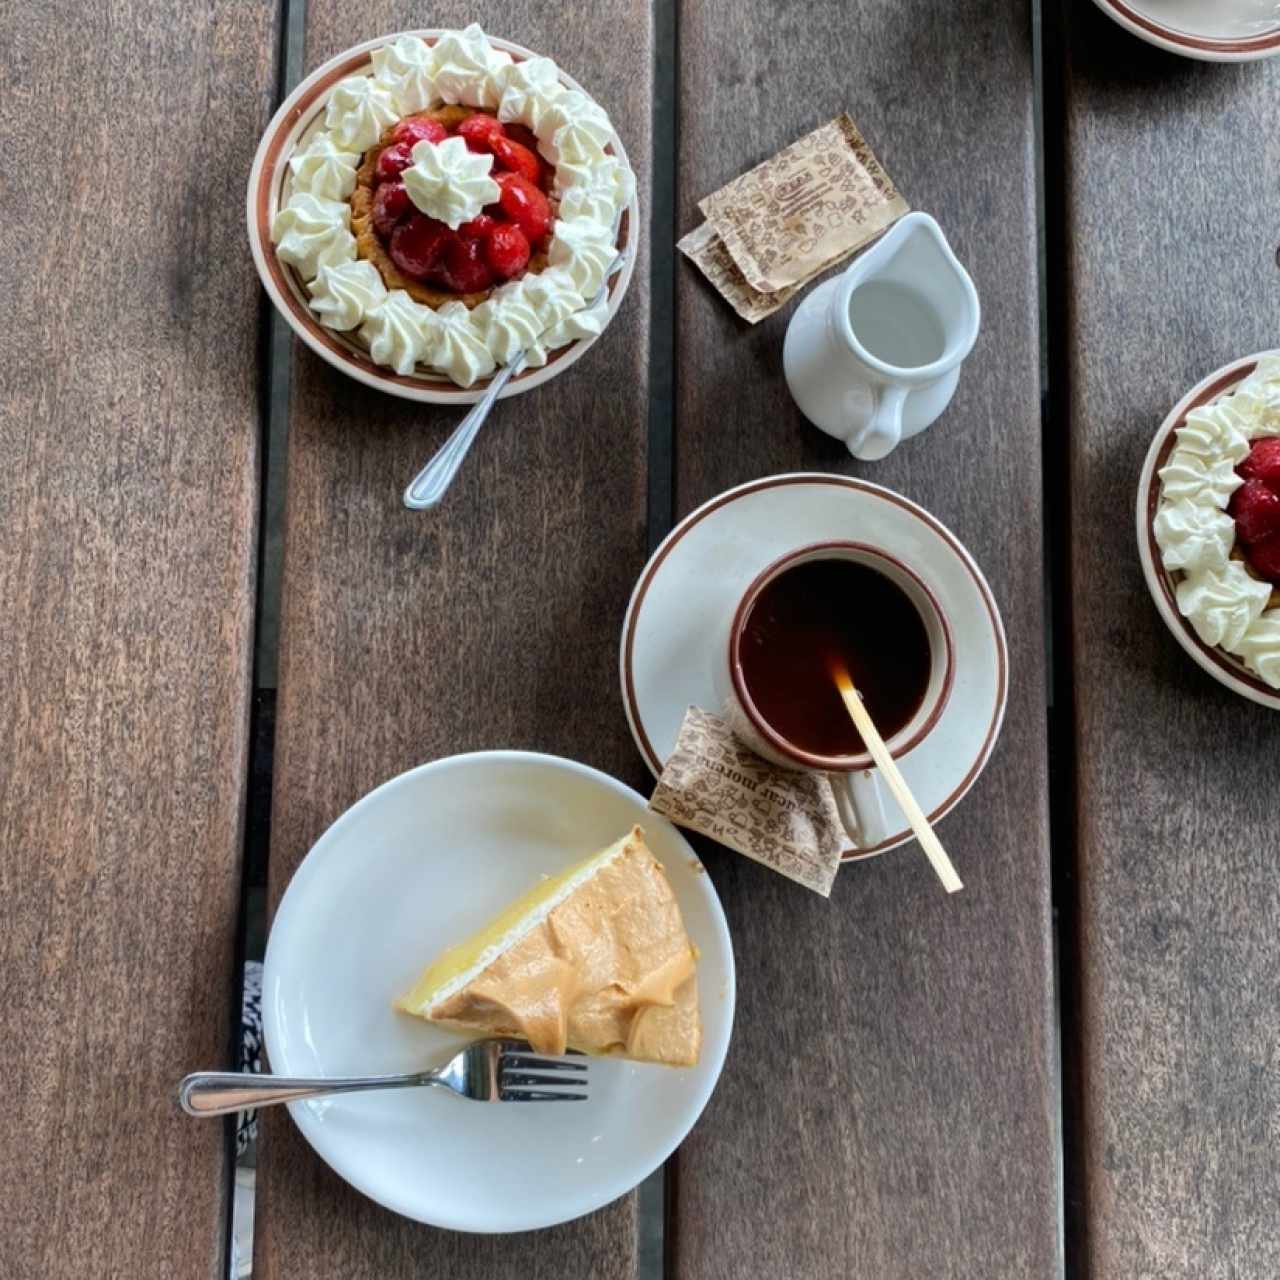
point(1218, 521)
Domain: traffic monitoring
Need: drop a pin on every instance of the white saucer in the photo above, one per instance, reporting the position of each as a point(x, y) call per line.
point(416, 865)
point(698, 574)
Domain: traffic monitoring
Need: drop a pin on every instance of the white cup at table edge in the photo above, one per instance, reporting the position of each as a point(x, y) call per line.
point(855, 781)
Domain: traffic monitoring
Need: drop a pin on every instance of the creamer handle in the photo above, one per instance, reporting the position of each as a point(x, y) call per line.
point(881, 435)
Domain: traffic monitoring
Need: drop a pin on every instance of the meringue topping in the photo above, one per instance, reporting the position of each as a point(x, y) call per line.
point(595, 958)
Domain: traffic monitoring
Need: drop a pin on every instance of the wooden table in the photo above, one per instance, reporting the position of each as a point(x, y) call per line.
point(893, 1104)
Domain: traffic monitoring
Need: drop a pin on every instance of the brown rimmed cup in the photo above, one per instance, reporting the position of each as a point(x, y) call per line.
point(854, 778)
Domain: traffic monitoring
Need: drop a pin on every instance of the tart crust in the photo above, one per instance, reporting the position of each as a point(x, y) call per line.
point(369, 244)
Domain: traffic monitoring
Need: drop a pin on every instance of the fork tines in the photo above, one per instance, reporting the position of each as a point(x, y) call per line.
point(521, 1077)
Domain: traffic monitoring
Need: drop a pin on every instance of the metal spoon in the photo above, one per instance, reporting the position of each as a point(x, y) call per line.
point(429, 485)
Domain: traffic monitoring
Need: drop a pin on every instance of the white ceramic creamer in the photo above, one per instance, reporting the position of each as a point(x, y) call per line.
point(873, 356)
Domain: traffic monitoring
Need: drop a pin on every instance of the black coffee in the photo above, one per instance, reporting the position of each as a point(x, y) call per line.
point(819, 613)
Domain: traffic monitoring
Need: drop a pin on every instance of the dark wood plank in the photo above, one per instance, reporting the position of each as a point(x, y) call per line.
point(490, 622)
point(129, 383)
point(1170, 271)
point(889, 1107)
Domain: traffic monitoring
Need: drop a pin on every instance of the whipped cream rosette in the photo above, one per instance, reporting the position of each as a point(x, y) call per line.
point(312, 232)
point(469, 70)
point(343, 295)
point(406, 69)
point(398, 331)
point(459, 332)
point(325, 169)
point(450, 183)
point(1217, 523)
point(358, 112)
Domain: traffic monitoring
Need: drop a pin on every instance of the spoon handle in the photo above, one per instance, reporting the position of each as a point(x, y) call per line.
point(430, 484)
point(215, 1093)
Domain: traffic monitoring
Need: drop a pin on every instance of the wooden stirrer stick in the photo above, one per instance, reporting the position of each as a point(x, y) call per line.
point(929, 842)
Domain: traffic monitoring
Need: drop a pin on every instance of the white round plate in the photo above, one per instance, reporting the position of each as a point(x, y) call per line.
point(1222, 666)
point(697, 576)
point(301, 115)
point(415, 866)
point(1210, 30)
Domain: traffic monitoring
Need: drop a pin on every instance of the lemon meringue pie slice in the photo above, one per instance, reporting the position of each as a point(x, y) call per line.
point(595, 958)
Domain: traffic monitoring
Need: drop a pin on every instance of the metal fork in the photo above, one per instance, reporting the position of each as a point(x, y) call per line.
point(485, 1071)
point(428, 486)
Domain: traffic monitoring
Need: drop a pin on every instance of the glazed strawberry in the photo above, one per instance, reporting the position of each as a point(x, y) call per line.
point(480, 132)
point(1265, 558)
point(390, 204)
point(418, 245)
point(412, 131)
point(479, 227)
point(1263, 463)
point(1256, 511)
point(512, 156)
point(393, 160)
point(464, 268)
point(524, 204)
point(507, 250)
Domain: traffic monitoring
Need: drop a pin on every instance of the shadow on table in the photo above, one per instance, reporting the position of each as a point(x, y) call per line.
point(1117, 64)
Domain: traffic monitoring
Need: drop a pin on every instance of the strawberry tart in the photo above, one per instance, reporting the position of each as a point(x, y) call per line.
point(455, 209)
point(1217, 523)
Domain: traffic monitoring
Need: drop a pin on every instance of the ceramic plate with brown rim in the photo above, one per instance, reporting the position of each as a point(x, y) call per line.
point(300, 119)
point(1256, 645)
point(682, 602)
point(1210, 30)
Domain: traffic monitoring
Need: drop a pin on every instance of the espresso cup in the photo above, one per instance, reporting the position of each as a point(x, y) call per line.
point(854, 778)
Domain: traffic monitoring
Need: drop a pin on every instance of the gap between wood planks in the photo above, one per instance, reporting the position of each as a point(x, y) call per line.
point(275, 359)
point(654, 1197)
point(1048, 19)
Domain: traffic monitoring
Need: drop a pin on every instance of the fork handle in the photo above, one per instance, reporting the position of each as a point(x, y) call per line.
point(429, 485)
point(216, 1093)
